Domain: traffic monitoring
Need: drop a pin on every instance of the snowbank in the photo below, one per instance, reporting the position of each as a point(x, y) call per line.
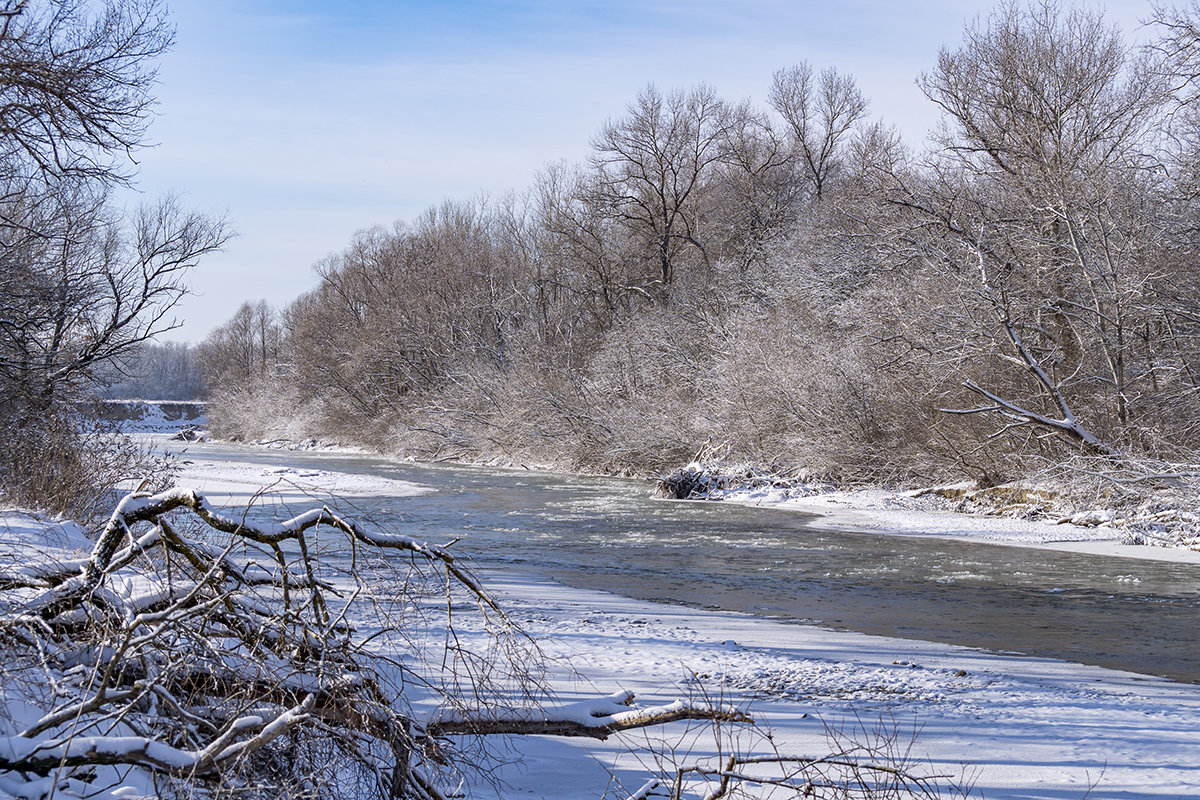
point(909, 514)
point(886, 512)
point(236, 484)
point(1034, 729)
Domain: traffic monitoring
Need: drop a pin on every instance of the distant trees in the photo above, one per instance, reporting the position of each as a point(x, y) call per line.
point(649, 171)
point(798, 284)
point(244, 349)
point(821, 113)
point(154, 371)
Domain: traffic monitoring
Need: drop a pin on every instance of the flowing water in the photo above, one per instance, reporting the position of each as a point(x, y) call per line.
point(1133, 614)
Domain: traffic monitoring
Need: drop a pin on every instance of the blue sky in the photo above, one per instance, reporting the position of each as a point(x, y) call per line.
point(305, 121)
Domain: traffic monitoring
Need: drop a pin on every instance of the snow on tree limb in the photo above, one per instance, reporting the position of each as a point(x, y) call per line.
point(598, 718)
point(42, 756)
point(1068, 425)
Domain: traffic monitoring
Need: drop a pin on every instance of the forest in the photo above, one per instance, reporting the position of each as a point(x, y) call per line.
point(794, 286)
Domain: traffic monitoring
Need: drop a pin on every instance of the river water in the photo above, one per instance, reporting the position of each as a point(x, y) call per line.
point(601, 533)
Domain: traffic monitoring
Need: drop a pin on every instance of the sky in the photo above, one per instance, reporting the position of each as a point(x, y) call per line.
point(302, 122)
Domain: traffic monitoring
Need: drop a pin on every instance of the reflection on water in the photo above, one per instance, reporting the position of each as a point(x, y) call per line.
point(610, 534)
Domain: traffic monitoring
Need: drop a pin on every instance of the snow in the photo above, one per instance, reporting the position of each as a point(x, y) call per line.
point(892, 513)
point(1026, 728)
point(237, 484)
point(156, 416)
point(591, 713)
point(29, 537)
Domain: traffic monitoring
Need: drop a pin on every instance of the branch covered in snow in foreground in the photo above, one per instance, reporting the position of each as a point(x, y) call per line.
point(598, 719)
point(43, 756)
point(194, 652)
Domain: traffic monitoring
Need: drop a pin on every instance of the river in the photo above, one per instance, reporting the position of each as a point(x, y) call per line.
point(606, 533)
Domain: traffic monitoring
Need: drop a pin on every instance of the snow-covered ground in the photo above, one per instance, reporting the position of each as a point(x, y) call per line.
point(894, 513)
point(235, 484)
point(1024, 728)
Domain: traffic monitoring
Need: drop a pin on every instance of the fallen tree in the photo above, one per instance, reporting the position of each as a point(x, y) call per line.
point(197, 653)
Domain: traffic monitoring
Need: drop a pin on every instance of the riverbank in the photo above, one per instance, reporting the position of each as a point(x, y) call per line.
point(1016, 728)
point(1008, 515)
point(945, 512)
point(903, 514)
point(884, 511)
point(239, 483)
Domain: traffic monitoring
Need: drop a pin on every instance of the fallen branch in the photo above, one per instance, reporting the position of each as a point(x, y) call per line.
point(44, 756)
point(597, 719)
point(200, 659)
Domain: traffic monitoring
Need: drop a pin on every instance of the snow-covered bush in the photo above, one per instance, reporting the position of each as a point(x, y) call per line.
point(66, 462)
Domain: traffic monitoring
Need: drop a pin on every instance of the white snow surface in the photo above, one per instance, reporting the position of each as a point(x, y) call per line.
point(236, 484)
point(893, 513)
point(1020, 728)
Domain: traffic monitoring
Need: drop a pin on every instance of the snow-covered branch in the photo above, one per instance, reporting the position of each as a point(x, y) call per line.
point(598, 718)
point(1021, 415)
point(199, 647)
point(244, 736)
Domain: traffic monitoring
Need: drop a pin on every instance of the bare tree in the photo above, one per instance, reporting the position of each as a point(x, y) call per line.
point(820, 113)
point(244, 350)
point(756, 194)
point(1036, 210)
point(589, 261)
point(1177, 340)
point(75, 82)
point(651, 168)
point(80, 286)
point(87, 287)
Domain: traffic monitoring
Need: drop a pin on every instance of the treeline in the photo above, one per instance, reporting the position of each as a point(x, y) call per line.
point(791, 284)
point(152, 371)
